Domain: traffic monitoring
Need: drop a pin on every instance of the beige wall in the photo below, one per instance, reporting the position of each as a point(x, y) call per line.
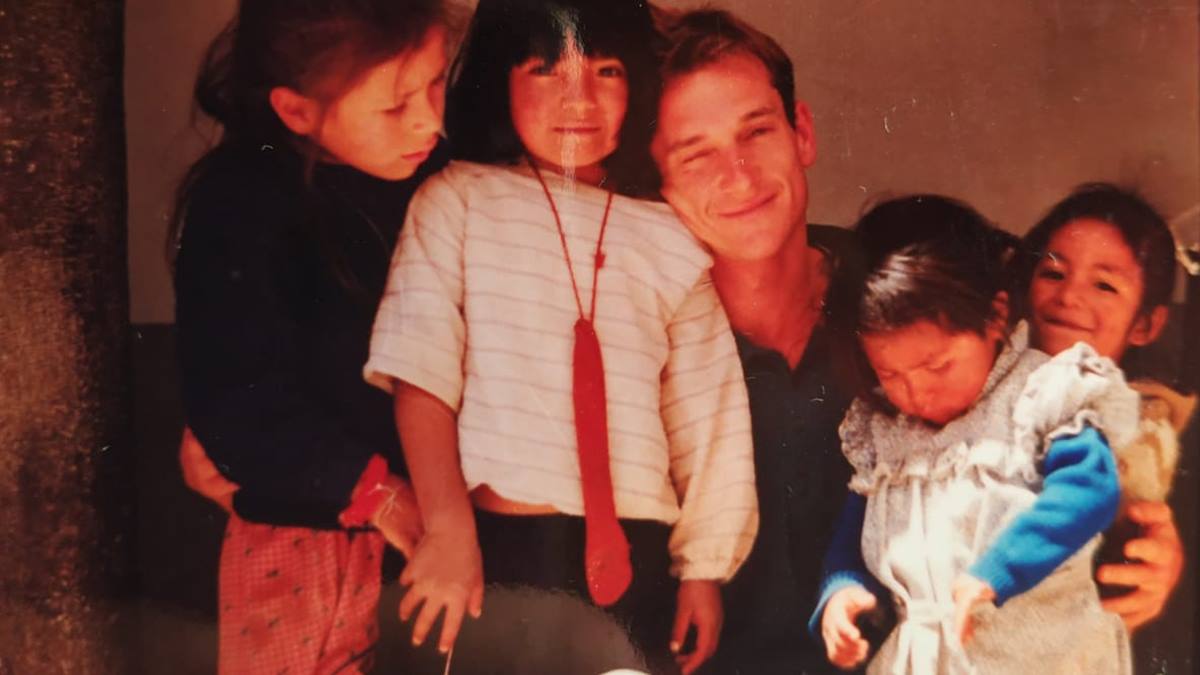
point(1005, 104)
point(164, 42)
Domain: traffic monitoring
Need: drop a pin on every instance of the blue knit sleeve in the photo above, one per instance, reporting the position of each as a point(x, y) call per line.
point(843, 564)
point(1079, 499)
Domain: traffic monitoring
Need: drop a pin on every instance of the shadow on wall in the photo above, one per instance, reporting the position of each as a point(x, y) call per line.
point(179, 532)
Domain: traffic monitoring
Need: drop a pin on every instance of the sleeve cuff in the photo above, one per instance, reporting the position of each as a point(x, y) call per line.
point(832, 584)
point(997, 575)
point(368, 494)
point(717, 569)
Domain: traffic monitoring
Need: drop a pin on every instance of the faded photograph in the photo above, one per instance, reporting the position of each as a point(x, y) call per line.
point(599, 336)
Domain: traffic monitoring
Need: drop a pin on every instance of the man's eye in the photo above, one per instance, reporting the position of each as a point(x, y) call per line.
point(760, 131)
point(1048, 273)
point(397, 109)
point(612, 71)
point(696, 157)
point(1106, 287)
point(540, 68)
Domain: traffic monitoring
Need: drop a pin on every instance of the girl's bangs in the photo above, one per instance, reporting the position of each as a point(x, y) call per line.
point(546, 34)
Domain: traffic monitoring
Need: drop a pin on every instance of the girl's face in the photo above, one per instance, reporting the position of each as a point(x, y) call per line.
point(568, 116)
point(1088, 287)
point(930, 372)
point(388, 122)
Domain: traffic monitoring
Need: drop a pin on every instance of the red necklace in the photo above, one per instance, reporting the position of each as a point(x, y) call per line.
point(606, 552)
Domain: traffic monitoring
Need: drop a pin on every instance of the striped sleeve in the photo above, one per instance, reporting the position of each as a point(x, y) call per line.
point(706, 414)
point(419, 335)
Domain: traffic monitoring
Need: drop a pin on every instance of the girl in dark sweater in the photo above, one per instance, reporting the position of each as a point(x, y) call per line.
point(330, 112)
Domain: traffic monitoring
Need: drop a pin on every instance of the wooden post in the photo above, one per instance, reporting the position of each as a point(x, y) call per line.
point(66, 474)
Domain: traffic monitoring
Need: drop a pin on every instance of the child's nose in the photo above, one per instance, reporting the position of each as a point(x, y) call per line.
point(921, 397)
point(580, 90)
point(1070, 292)
point(427, 112)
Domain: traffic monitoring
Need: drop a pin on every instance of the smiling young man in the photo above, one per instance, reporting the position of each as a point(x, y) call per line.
point(735, 174)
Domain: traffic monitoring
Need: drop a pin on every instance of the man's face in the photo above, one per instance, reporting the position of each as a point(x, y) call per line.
point(732, 166)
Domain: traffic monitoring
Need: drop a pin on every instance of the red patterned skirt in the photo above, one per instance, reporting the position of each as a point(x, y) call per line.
point(297, 601)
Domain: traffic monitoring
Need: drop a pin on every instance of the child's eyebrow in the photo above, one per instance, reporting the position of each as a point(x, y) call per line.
point(1113, 269)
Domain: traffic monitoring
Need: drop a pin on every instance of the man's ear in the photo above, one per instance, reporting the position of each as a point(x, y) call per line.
point(299, 113)
point(1148, 326)
point(997, 324)
point(806, 140)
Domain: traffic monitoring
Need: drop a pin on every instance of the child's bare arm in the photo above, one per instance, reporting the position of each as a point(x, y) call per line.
point(446, 569)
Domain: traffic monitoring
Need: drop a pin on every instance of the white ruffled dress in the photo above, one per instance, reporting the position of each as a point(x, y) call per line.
point(937, 498)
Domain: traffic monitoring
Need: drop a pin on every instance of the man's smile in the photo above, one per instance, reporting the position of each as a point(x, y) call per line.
point(748, 207)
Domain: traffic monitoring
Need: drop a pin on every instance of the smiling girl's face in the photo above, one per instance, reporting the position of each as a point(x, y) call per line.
point(1088, 287)
point(568, 115)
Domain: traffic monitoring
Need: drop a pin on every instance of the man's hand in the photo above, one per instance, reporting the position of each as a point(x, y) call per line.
point(698, 604)
point(844, 643)
point(398, 518)
point(445, 571)
point(969, 593)
point(1153, 578)
point(201, 475)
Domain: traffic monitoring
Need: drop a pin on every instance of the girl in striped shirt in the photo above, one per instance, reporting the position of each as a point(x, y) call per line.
point(567, 388)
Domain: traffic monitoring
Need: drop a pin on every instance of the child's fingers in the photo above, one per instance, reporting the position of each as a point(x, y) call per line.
point(411, 600)
point(707, 631)
point(450, 626)
point(964, 627)
point(425, 618)
point(850, 654)
point(844, 628)
point(407, 576)
point(859, 600)
point(843, 640)
point(683, 619)
point(475, 600)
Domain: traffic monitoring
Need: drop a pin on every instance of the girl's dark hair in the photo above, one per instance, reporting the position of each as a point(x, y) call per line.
point(506, 33)
point(1143, 229)
point(924, 257)
point(317, 47)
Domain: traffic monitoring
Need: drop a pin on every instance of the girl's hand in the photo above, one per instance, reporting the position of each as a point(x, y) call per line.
point(969, 593)
point(844, 643)
point(1153, 579)
point(201, 475)
point(398, 518)
point(445, 571)
point(698, 604)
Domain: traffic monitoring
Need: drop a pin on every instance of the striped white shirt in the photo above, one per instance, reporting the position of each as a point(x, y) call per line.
point(479, 312)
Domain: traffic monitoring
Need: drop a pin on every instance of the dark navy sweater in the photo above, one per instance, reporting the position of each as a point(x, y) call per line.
point(276, 289)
